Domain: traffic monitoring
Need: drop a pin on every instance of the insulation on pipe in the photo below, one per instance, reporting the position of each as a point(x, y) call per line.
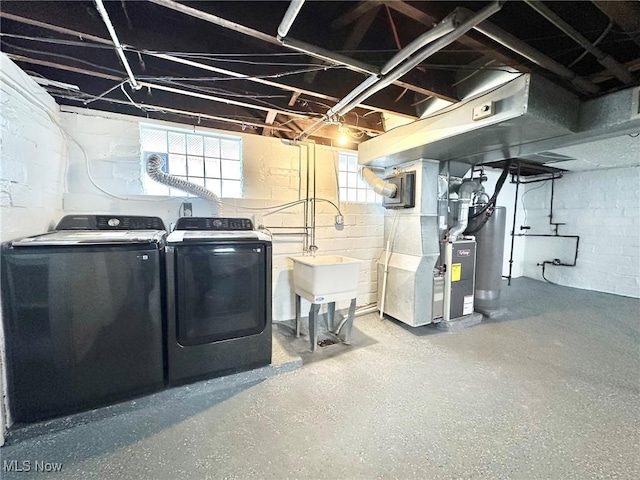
point(154, 170)
point(379, 186)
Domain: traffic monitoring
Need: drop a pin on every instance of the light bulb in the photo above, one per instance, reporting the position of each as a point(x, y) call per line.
point(343, 139)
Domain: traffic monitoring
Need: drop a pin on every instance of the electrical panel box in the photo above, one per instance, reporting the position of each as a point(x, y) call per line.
point(463, 273)
point(406, 194)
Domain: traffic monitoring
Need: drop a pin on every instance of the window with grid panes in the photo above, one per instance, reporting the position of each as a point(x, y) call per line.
point(352, 187)
point(209, 160)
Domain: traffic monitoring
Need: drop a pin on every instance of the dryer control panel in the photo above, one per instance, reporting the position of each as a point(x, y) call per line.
point(213, 223)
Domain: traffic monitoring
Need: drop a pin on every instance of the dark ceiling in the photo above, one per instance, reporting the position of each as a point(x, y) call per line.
point(282, 91)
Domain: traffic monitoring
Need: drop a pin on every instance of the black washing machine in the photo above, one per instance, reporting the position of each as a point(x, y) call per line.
point(218, 298)
point(83, 316)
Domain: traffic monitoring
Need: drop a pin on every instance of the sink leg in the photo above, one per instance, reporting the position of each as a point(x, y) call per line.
point(313, 331)
point(297, 315)
point(331, 314)
point(349, 324)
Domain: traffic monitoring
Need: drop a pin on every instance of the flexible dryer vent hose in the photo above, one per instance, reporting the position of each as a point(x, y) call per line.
point(154, 170)
point(379, 186)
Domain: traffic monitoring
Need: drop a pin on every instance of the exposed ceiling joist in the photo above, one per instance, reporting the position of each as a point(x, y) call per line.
point(353, 14)
point(273, 40)
point(426, 19)
point(199, 65)
point(271, 116)
point(355, 37)
point(625, 14)
point(294, 97)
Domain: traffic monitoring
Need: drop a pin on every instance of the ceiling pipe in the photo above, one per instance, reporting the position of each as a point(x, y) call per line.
point(116, 43)
point(430, 50)
point(327, 56)
point(608, 62)
point(192, 63)
point(194, 12)
point(292, 44)
point(446, 26)
point(521, 48)
point(404, 63)
point(289, 17)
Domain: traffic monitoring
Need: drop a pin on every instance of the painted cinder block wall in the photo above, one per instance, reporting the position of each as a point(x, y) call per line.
point(602, 207)
point(273, 173)
point(31, 169)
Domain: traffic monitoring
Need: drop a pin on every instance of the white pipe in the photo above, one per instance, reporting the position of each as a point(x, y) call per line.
point(378, 185)
point(435, 47)
point(465, 192)
point(116, 43)
point(289, 17)
point(463, 219)
point(385, 274)
point(445, 26)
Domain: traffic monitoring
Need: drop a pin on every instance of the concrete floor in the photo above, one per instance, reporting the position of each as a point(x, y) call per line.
point(550, 390)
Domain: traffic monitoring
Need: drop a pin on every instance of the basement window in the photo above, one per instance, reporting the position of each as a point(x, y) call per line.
point(209, 160)
point(352, 187)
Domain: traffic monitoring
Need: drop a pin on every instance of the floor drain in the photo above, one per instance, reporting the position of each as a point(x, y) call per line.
point(326, 342)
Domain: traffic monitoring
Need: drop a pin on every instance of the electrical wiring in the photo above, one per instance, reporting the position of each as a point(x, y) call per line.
point(524, 208)
point(215, 58)
point(67, 137)
point(130, 99)
point(57, 41)
point(67, 57)
point(258, 100)
point(104, 94)
point(595, 43)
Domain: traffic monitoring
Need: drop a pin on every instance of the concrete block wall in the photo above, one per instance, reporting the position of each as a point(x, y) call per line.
point(32, 149)
point(506, 199)
point(601, 206)
point(273, 173)
point(31, 169)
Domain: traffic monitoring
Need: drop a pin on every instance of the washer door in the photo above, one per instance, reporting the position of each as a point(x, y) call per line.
point(220, 291)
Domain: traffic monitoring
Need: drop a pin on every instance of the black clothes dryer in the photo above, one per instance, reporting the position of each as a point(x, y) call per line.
point(83, 314)
point(218, 298)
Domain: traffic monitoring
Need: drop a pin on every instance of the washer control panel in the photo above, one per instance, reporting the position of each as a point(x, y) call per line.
point(110, 222)
point(213, 223)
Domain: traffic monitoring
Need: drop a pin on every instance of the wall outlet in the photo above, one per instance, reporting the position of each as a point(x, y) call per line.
point(258, 220)
point(483, 111)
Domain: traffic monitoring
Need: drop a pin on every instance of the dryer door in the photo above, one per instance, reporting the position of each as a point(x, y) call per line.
point(221, 291)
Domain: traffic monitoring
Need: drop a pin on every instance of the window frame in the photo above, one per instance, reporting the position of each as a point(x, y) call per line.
point(355, 190)
point(215, 150)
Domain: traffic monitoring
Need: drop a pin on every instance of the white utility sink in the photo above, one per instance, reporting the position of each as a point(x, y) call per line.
point(326, 278)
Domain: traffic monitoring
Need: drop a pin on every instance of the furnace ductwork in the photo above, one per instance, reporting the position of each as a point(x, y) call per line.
point(379, 186)
point(154, 170)
point(466, 190)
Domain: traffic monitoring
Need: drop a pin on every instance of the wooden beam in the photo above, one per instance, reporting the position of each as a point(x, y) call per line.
point(605, 75)
point(353, 14)
point(297, 91)
point(356, 35)
point(271, 116)
point(262, 36)
point(426, 19)
point(294, 97)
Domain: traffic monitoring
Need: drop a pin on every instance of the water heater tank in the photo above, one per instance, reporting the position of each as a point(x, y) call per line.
point(489, 258)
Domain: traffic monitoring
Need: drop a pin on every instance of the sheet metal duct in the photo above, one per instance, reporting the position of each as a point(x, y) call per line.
point(525, 109)
point(523, 117)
